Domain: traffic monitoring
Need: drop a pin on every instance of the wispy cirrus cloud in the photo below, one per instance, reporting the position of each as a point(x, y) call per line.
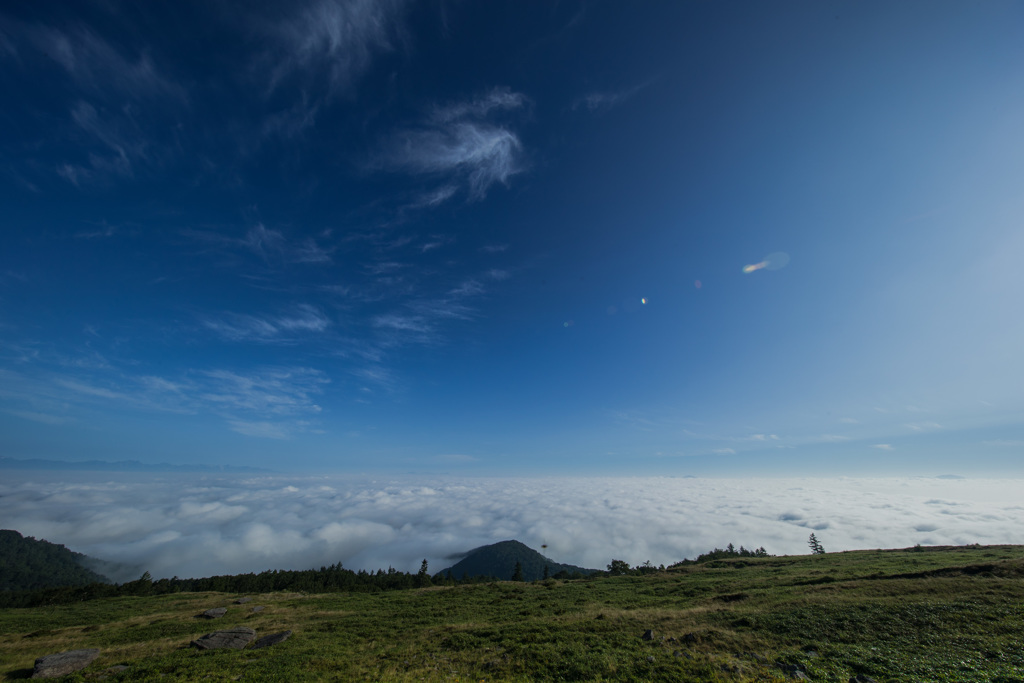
point(276, 402)
point(98, 67)
point(281, 329)
point(292, 121)
point(458, 143)
point(111, 91)
point(123, 146)
point(264, 242)
point(279, 391)
point(600, 100)
point(268, 244)
point(262, 429)
point(923, 426)
point(403, 323)
point(6, 44)
point(335, 40)
point(498, 99)
point(435, 197)
point(418, 320)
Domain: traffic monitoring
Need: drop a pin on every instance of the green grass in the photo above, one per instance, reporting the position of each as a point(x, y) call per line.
point(942, 614)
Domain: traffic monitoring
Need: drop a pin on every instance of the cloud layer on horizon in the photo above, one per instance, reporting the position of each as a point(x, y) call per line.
point(176, 526)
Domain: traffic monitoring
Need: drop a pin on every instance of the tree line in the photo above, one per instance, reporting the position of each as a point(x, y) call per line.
point(328, 579)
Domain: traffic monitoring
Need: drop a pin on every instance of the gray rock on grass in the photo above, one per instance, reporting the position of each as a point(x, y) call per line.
point(63, 663)
point(215, 613)
point(242, 601)
point(229, 639)
point(272, 639)
point(794, 671)
point(258, 608)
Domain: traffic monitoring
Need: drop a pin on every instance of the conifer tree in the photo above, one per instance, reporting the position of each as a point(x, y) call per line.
point(816, 548)
point(423, 577)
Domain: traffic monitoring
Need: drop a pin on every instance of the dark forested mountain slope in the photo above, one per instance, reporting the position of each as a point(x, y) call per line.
point(499, 560)
point(28, 564)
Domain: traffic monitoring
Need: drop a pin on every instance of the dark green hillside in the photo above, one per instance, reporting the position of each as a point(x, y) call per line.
point(499, 560)
point(936, 615)
point(28, 564)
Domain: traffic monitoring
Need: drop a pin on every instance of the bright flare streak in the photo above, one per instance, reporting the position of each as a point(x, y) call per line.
point(755, 266)
point(643, 301)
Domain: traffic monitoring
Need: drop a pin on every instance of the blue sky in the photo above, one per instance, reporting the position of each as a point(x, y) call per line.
point(489, 238)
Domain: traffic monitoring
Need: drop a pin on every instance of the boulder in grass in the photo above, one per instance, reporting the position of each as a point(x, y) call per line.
point(272, 639)
point(215, 613)
point(258, 608)
point(242, 601)
point(230, 639)
point(63, 663)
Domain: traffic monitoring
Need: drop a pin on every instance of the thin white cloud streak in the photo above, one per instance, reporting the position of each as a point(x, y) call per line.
point(435, 197)
point(268, 244)
point(123, 146)
point(597, 101)
point(123, 151)
point(265, 430)
point(293, 121)
point(110, 89)
point(481, 153)
point(418, 320)
point(403, 323)
point(6, 44)
point(271, 402)
point(287, 328)
point(337, 38)
point(206, 525)
point(456, 141)
point(274, 391)
point(496, 100)
point(263, 242)
point(96, 66)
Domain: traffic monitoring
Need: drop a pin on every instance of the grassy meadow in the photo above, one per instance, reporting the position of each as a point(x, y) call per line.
point(919, 614)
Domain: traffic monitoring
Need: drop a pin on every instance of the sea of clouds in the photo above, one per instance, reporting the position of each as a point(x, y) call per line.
point(172, 525)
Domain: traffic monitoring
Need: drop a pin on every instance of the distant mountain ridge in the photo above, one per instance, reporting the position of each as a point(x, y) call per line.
point(499, 561)
point(30, 564)
point(119, 466)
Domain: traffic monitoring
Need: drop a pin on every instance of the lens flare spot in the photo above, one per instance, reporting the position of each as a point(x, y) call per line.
point(754, 266)
point(568, 323)
point(643, 301)
point(697, 284)
point(773, 261)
